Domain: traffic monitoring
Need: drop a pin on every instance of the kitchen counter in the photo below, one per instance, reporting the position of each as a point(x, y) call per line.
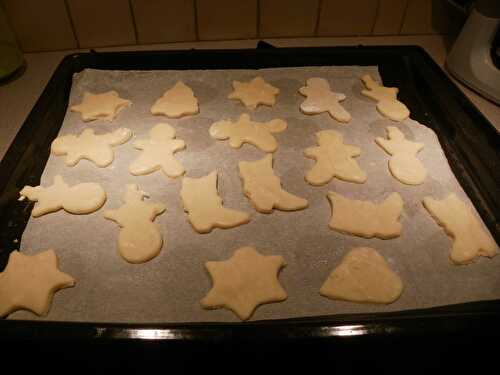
point(18, 96)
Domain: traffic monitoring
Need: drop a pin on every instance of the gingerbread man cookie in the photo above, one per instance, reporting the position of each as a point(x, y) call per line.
point(404, 164)
point(261, 185)
point(176, 102)
point(333, 159)
point(255, 92)
point(103, 106)
point(244, 130)
point(365, 218)
point(386, 97)
point(204, 205)
point(470, 239)
point(321, 99)
point(158, 153)
point(88, 145)
point(140, 239)
point(78, 199)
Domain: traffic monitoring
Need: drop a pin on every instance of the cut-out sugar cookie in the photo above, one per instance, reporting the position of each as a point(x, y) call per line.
point(321, 99)
point(470, 239)
point(255, 92)
point(363, 276)
point(244, 130)
point(263, 187)
point(176, 102)
point(403, 164)
point(30, 282)
point(158, 153)
point(387, 103)
point(103, 106)
point(333, 159)
point(204, 205)
point(77, 199)
point(96, 148)
point(245, 281)
point(365, 218)
point(140, 239)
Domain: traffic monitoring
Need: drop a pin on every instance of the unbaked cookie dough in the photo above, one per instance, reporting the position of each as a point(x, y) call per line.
point(244, 130)
point(30, 282)
point(387, 103)
point(363, 276)
point(103, 106)
point(245, 281)
point(78, 199)
point(470, 239)
point(263, 187)
point(255, 92)
point(333, 159)
point(88, 145)
point(404, 165)
point(158, 153)
point(204, 205)
point(365, 218)
point(140, 239)
point(321, 99)
point(176, 102)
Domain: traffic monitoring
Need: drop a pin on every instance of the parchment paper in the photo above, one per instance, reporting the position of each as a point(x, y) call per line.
point(169, 288)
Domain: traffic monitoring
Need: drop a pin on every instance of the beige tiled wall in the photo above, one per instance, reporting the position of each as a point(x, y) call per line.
point(66, 24)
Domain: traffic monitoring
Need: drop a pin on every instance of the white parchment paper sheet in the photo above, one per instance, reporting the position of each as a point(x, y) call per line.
point(169, 288)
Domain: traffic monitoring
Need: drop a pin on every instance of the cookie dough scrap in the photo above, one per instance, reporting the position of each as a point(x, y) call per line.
point(255, 92)
point(321, 99)
point(245, 281)
point(244, 130)
point(363, 276)
point(82, 198)
point(103, 106)
point(96, 148)
point(470, 239)
point(176, 102)
point(158, 153)
point(204, 205)
point(263, 187)
point(387, 103)
point(365, 218)
point(30, 282)
point(333, 159)
point(404, 165)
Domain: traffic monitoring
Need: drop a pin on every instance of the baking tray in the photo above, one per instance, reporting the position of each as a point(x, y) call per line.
point(469, 141)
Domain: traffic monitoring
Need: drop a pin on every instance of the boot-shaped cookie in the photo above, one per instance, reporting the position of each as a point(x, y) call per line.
point(263, 187)
point(204, 205)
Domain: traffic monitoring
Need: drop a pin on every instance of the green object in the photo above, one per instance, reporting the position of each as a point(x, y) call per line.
point(11, 58)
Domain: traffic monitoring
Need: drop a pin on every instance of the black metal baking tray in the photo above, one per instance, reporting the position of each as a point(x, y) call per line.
point(470, 142)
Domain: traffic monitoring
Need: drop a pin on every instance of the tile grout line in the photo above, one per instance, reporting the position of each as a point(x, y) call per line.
point(195, 15)
point(376, 17)
point(318, 15)
point(404, 17)
point(71, 23)
point(134, 24)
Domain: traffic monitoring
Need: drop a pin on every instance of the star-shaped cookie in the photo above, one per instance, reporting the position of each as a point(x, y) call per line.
point(245, 281)
point(29, 282)
point(255, 92)
point(103, 106)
